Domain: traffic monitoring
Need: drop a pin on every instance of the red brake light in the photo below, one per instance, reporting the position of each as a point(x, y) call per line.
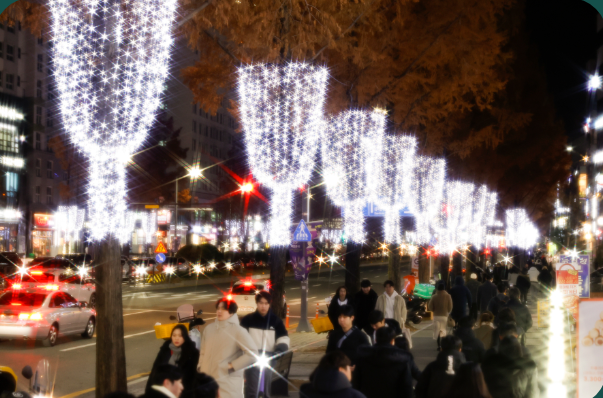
point(23, 316)
point(36, 272)
point(51, 287)
point(229, 297)
point(35, 317)
point(247, 283)
point(15, 303)
point(17, 286)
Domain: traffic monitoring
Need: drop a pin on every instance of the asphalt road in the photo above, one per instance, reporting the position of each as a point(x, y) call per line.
point(73, 358)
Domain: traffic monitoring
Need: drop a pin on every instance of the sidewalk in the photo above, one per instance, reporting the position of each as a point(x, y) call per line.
point(209, 280)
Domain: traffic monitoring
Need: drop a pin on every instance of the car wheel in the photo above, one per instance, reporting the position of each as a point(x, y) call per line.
point(90, 326)
point(92, 302)
point(52, 337)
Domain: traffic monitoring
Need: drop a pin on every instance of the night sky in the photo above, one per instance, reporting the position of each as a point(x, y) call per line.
point(565, 34)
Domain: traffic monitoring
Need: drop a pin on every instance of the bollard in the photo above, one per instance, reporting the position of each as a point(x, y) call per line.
point(316, 311)
point(287, 320)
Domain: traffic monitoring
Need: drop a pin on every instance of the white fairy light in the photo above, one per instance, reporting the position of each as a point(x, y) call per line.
point(429, 178)
point(520, 231)
point(349, 157)
point(484, 212)
point(556, 362)
point(68, 222)
point(110, 64)
point(456, 215)
point(394, 182)
point(281, 108)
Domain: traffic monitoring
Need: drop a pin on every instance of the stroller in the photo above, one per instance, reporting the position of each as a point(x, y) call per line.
point(186, 314)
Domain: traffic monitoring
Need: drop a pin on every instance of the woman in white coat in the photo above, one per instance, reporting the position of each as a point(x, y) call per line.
point(226, 350)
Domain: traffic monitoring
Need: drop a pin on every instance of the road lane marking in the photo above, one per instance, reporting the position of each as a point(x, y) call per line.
point(79, 346)
point(141, 312)
point(141, 377)
point(138, 334)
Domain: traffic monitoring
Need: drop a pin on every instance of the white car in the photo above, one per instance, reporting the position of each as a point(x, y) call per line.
point(44, 315)
point(82, 288)
point(243, 293)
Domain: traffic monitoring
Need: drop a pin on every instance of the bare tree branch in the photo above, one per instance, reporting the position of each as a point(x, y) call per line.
point(192, 14)
point(222, 42)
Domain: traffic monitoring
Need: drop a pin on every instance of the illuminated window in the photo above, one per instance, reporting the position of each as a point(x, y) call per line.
point(8, 138)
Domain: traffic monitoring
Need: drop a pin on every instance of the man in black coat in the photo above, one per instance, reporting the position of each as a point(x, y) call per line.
point(383, 370)
point(499, 301)
point(376, 321)
point(349, 338)
point(438, 375)
point(364, 302)
point(331, 379)
point(523, 284)
point(166, 383)
point(486, 292)
point(473, 348)
point(461, 299)
point(523, 318)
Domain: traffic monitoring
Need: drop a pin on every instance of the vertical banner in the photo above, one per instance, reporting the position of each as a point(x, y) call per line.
point(589, 348)
point(573, 280)
point(299, 260)
point(415, 265)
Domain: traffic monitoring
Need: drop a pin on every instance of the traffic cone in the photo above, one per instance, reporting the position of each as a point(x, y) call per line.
point(316, 310)
point(287, 319)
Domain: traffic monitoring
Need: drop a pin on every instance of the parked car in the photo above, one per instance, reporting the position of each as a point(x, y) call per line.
point(181, 265)
point(66, 280)
point(128, 268)
point(243, 293)
point(148, 265)
point(79, 259)
point(51, 263)
point(44, 315)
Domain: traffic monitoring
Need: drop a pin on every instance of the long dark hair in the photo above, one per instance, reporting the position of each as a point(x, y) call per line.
point(337, 292)
point(185, 336)
point(469, 382)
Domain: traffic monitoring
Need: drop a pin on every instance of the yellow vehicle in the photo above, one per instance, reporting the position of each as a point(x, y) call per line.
point(8, 380)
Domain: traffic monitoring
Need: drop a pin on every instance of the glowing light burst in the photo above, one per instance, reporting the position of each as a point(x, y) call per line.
point(484, 212)
point(281, 108)
point(428, 192)
point(110, 64)
point(455, 216)
point(169, 270)
point(332, 259)
point(394, 181)
point(520, 231)
point(141, 270)
point(349, 158)
point(68, 221)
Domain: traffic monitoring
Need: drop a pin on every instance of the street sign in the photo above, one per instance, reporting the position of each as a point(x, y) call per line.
point(151, 206)
point(302, 233)
point(372, 210)
point(160, 258)
point(160, 248)
point(433, 241)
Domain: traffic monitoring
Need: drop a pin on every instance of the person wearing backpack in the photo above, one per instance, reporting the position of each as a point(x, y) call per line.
point(499, 301)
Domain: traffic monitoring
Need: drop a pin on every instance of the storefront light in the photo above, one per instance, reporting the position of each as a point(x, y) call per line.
point(10, 113)
point(18, 163)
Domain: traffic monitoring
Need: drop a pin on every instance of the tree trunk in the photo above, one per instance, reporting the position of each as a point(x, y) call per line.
point(444, 269)
point(110, 349)
point(352, 266)
point(471, 262)
point(457, 265)
point(278, 264)
point(394, 272)
point(423, 265)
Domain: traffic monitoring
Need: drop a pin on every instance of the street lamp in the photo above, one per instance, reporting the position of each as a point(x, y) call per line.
point(594, 83)
point(194, 173)
point(569, 148)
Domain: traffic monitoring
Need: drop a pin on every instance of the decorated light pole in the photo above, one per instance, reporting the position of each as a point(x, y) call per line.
point(281, 109)
point(111, 60)
point(350, 157)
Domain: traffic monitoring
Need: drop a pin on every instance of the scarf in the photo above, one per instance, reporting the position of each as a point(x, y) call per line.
point(389, 305)
point(176, 353)
point(344, 302)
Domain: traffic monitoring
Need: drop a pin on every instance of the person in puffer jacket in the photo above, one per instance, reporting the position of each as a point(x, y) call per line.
point(270, 336)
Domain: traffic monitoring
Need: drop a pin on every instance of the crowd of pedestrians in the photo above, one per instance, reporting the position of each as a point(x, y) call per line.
point(479, 327)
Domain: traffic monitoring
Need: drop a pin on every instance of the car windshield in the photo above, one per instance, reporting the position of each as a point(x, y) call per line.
point(12, 257)
point(247, 288)
point(33, 277)
point(51, 263)
point(22, 299)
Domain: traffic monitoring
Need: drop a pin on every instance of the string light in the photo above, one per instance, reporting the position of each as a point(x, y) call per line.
point(520, 231)
point(556, 361)
point(350, 159)
point(484, 212)
point(281, 108)
point(456, 215)
point(68, 222)
point(110, 64)
point(428, 192)
point(394, 182)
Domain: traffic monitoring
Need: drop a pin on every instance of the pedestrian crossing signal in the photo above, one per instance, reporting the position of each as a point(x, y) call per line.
point(160, 248)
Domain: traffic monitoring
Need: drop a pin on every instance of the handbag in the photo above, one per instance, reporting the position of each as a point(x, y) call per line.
point(451, 323)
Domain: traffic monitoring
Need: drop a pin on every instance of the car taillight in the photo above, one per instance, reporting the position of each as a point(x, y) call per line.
point(15, 303)
point(17, 286)
point(229, 297)
point(36, 272)
point(51, 287)
point(32, 317)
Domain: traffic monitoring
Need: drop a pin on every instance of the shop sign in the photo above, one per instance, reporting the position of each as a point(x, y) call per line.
point(43, 221)
point(17, 163)
point(164, 217)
